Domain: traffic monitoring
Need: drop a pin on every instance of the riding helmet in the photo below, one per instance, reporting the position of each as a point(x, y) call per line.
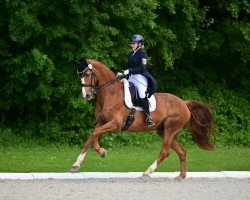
point(137, 39)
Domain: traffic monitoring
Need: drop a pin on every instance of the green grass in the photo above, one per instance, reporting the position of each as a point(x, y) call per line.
point(37, 158)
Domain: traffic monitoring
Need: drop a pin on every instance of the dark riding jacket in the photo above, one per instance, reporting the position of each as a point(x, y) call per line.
point(137, 64)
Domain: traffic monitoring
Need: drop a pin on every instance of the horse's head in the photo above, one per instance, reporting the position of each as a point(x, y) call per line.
point(88, 78)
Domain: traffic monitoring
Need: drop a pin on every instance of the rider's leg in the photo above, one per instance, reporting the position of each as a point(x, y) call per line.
point(141, 84)
point(145, 107)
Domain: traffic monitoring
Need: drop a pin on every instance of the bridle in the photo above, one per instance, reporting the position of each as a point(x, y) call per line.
point(95, 88)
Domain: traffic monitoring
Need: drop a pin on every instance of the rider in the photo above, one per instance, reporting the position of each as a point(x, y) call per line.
point(139, 75)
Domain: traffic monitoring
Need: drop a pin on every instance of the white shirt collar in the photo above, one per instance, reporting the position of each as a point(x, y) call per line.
point(136, 51)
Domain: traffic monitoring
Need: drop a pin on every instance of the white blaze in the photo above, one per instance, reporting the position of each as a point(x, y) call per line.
point(83, 89)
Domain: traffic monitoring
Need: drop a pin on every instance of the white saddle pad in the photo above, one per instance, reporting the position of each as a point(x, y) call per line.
point(128, 102)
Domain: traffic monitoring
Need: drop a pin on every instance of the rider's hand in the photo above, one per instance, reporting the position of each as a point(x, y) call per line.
point(122, 74)
point(119, 74)
point(126, 72)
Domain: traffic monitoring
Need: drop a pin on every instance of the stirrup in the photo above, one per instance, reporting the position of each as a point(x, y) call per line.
point(150, 122)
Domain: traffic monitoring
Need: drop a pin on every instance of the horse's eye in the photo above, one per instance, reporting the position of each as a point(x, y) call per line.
point(80, 74)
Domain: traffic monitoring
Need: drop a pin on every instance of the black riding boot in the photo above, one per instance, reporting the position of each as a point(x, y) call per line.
point(145, 107)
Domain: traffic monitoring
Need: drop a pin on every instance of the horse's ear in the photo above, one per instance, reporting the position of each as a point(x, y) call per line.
point(81, 61)
point(77, 62)
point(81, 64)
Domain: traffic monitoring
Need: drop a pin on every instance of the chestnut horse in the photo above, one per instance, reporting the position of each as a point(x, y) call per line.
point(170, 115)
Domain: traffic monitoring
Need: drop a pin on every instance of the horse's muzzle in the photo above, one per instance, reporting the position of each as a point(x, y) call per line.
point(89, 95)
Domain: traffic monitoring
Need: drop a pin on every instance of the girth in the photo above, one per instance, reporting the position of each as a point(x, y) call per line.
point(130, 119)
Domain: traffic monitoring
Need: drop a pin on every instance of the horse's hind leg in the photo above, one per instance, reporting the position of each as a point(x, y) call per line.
point(171, 127)
point(176, 146)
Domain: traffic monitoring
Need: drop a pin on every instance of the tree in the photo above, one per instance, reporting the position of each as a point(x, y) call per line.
point(194, 45)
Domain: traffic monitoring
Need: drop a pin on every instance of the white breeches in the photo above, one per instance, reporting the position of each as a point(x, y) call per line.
point(140, 82)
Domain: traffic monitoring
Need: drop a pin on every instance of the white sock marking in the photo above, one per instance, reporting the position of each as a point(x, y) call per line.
point(80, 159)
point(152, 168)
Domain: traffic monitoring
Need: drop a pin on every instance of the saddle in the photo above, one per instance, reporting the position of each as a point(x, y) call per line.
point(131, 97)
point(132, 101)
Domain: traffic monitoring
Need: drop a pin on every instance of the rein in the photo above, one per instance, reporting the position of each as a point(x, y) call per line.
point(107, 84)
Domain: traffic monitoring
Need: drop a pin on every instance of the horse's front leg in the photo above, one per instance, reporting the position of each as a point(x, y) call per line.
point(98, 131)
point(110, 126)
point(76, 166)
point(101, 151)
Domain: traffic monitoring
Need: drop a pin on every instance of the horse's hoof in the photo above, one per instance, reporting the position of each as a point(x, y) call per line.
point(145, 176)
point(75, 168)
point(102, 152)
point(179, 178)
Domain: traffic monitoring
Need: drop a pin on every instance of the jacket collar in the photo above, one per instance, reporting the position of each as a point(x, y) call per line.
point(136, 51)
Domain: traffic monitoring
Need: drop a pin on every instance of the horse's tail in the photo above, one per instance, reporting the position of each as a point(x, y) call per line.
point(201, 124)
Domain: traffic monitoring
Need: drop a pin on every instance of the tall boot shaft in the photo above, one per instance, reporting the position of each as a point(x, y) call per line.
point(145, 107)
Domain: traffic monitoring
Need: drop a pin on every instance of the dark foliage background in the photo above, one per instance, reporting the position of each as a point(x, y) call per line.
point(198, 50)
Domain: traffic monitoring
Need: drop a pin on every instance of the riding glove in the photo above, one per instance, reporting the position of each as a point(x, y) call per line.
point(122, 74)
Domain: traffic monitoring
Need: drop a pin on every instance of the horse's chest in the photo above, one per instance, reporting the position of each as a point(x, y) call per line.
point(104, 115)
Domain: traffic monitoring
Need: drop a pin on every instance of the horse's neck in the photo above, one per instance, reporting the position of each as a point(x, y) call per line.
point(105, 79)
point(103, 73)
point(105, 76)
point(109, 94)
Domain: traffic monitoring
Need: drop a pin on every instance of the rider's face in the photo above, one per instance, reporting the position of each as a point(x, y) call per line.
point(134, 45)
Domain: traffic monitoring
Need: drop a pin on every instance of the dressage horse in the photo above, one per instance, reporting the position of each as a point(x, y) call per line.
point(170, 115)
